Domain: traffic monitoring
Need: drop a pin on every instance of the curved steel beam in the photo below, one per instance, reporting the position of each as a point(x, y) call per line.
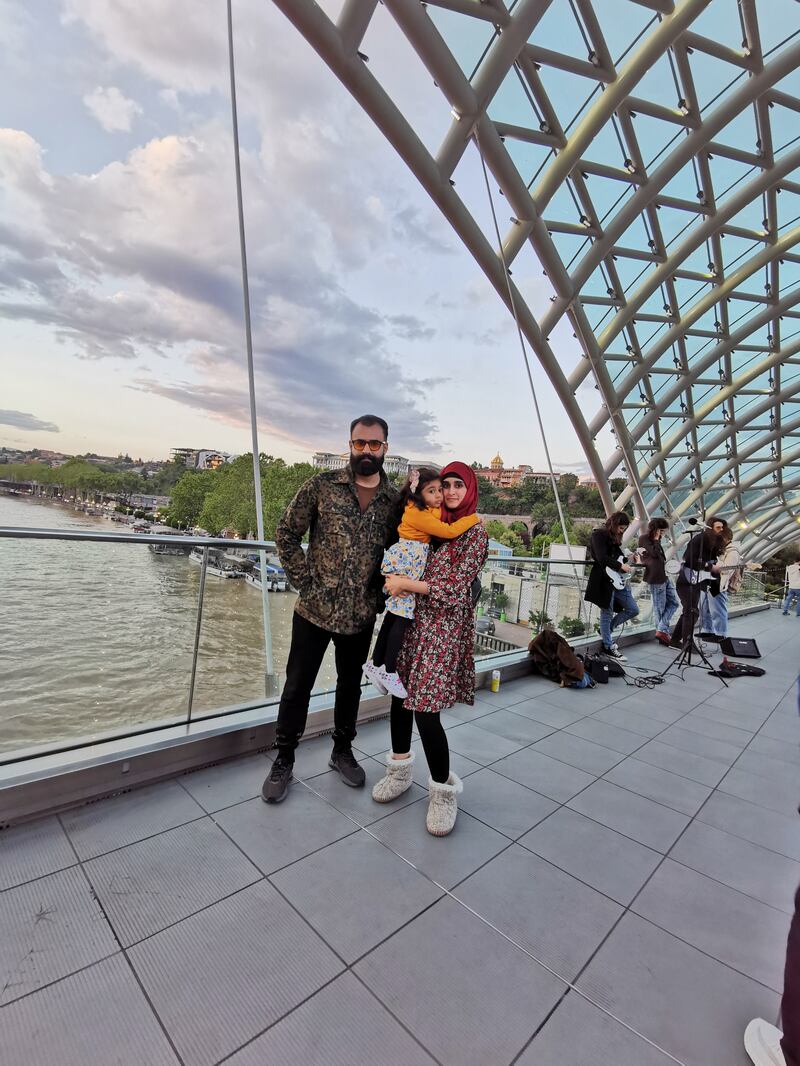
point(757, 527)
point(767, 179)
point(500, 58)
point(743, 485)
point(643, 59)
point(785, 532)
point(703, 412)
point(677, 332)
point(748, 92)
point(744, 453)
point(735, 461)
point(323, 36)
point(699, 367)
point(756, 506)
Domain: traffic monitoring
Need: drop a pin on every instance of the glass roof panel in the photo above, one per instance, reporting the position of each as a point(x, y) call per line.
point(651, 254)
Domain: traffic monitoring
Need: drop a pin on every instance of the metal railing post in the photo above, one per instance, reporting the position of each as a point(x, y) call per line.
point(543, 613)
point(198, 623)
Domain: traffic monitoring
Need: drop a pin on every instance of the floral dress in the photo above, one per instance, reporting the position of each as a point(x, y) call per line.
point(436, 660)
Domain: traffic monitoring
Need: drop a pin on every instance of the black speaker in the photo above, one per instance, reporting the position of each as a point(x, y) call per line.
point(741, 647)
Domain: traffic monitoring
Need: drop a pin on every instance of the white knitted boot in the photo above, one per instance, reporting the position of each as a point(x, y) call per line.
point(442, 806)
point(398, 779)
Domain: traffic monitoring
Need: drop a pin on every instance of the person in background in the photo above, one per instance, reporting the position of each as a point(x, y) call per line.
point(698, 568)
point(766, 1045)
point(714, 607)
point(436, 658)
point(793, 588)
point(617, 605)
point(665, 599)
point(350, 516)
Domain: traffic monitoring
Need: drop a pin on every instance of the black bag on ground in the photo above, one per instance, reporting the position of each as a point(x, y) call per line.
point(597, 669)
point(615, 667)
point(729, 669)
point(742, 647)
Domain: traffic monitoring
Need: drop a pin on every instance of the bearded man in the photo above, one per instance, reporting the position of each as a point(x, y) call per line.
point(350, 516)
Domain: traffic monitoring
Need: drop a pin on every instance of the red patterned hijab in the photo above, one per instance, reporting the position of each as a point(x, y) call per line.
point(469, 504)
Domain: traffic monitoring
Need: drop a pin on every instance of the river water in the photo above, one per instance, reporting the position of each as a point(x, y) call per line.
point(98, 637)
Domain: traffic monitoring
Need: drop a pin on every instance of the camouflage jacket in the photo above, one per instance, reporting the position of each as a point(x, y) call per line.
point(336, 576)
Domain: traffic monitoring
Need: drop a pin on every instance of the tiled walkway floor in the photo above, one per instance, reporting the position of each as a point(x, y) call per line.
point(617, 892)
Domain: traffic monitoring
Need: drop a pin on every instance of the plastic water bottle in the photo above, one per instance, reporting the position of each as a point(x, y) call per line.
point(495, 683)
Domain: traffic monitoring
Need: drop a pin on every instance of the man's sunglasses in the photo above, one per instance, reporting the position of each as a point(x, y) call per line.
point(359, 445)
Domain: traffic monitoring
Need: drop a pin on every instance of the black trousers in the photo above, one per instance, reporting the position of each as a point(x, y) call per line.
point(390, 638)
point(431, 733)
point(790, 1007)
point(309, 643)
point(689, 595)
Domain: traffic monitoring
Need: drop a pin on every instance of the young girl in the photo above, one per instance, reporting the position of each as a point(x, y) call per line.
point(422, 520)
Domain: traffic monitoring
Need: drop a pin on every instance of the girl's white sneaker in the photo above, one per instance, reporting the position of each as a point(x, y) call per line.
point(373, 674)
point(391, 682)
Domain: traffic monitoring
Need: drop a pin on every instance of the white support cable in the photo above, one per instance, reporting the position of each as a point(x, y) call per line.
point(526, 361)
point(268, 659)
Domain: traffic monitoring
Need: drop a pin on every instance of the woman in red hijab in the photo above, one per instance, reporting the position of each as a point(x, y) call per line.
point(436, 660)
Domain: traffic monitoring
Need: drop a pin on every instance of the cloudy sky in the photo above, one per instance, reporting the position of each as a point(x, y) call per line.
point(120, 290)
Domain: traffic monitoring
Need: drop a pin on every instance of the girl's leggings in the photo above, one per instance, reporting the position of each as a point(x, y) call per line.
point(431, 733)
point(390, 639)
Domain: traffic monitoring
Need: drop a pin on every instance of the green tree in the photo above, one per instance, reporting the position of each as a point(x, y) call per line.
point(162, 482)
point(188, 497)
point(496, 530)
point(231, 501)
point(567, 483)
point(582, 534)
point(279, 484)
point(572, 627)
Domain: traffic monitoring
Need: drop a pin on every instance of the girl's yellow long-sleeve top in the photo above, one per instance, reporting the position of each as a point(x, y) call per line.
point(422, 525)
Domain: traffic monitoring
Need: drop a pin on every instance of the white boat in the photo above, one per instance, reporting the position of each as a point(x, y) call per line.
point(276, 576)
point(216, 565)
point(167, 549)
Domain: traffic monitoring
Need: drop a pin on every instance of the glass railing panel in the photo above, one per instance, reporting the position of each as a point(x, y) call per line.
point(97, 638)
point(520, 596)
point(93, 637)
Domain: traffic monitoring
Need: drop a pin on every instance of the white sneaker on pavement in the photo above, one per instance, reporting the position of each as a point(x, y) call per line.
point(372, 673)
point(762, 1042)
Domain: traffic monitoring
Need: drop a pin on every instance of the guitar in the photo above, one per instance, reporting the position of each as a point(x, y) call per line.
point(616, 577)
point(698, 577)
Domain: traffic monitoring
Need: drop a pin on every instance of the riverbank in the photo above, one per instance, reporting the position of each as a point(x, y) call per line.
point(99, 636)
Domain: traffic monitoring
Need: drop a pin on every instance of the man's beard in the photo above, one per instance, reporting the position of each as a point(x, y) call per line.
point(366, 465)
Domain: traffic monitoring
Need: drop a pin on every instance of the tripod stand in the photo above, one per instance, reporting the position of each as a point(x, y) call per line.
point(690, 647)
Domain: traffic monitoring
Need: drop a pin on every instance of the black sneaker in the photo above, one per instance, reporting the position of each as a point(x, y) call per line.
point(276, 785)
point(345, 762)
point(611, 651)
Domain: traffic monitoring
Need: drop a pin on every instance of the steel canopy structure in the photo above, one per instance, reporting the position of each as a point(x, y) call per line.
point(648, 152)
